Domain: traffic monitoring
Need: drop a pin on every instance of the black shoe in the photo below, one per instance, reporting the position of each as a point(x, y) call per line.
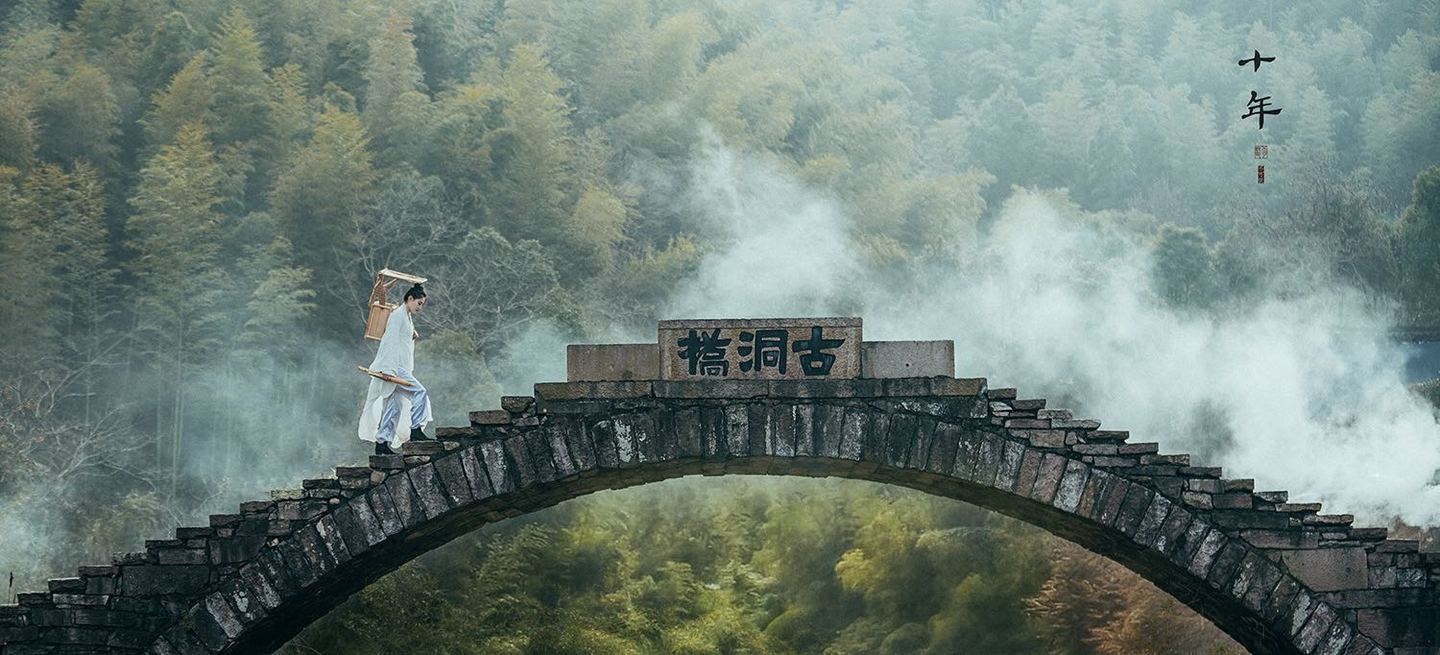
point(416, 434)
point(382, 448)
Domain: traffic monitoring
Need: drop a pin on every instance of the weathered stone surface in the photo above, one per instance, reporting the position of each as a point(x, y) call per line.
point(1154, 519)
point(1289, 539)
point(473, 465)
point(918, 455)
point(842, 342)
point(907, 359)
point(1328, 569)
point(1205, 554)
point(1396, 627)
point(1047, 480)
point(156, 580)
point(1315, 628)
point(451, 469)
point(542, 460)
point(1222, 572)
point(1029, 470)
point(383, 507)
point(1115, 494)
point(612, 361)
point(1072, 484)
point(427, 486)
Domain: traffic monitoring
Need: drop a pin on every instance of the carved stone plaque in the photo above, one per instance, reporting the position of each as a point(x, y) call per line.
point(760, 349)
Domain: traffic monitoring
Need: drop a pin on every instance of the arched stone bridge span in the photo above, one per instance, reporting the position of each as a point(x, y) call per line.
point(1279, 577)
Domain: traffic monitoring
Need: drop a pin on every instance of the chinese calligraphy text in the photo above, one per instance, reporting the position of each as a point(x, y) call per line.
point(765, 349)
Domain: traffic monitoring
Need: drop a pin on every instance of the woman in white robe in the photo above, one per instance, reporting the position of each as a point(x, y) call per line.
point(386, 402)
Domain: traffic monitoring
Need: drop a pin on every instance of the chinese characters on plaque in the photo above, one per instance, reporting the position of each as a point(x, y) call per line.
point(762, 349)
point(1258, 107)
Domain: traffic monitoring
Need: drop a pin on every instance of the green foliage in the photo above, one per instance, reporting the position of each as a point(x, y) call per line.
point(1184, 271)
point(492, 298)
point(396, 107)
point(187, 99)
point(782, 566)
point(1420, 249)
point(240, 86)
point(173, 233)
point(80, 118)
point(325, 188)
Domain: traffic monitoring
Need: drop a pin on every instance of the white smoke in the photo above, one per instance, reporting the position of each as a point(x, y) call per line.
point(1302, 392)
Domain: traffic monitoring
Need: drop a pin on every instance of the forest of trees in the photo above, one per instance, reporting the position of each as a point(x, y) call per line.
point(734, 566)
point(195, 195)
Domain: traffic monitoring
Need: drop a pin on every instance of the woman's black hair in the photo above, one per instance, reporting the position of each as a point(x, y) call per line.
point(416, 291)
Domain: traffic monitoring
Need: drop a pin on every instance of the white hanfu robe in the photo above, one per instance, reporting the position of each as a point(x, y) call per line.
point(396, 356)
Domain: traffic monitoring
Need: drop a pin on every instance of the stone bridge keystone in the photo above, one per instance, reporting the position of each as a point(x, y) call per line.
point(1279, 577)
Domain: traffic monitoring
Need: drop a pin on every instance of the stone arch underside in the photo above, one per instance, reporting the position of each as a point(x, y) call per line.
point(1278, 577)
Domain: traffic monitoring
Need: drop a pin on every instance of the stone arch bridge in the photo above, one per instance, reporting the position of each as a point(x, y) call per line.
point(1279, 577)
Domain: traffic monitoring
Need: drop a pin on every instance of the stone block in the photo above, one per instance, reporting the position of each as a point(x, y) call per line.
point(1092, 494)
point(1132, 509)
point(620, 361)
point(543, 461)
point(1002, 393)
point(61, 585)
point(1042, 438)
point(407, 504)
point(1072, 485)
point(1250, 519)
point(1222, 572)
point(1200, 472)
point(490, 417)
point(1198, 500)
point(1231, 501)
point(260, 587)
point(1153, 521)
point(1203, 486)
point(152, 580)
point(517, 404)
point(1315, 628)
point(1394, 627)
point(1029, 470)
point(843, 335)
point(1398, 546)
point(452, 475)
point(950, 386)
point(384, 508)
point(1245, 485)
point(907, 359)
point(1146, 448)
point(353, 530)
point(1205, 553)
point(1173, 531)
point(1328, 569)
point(1108, 508)
point(1075, 424)
point(239, 548)
point(428, 487)
point(1276, 497)
point(1292, 539)
point(1047, 481)
point(852, 437)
